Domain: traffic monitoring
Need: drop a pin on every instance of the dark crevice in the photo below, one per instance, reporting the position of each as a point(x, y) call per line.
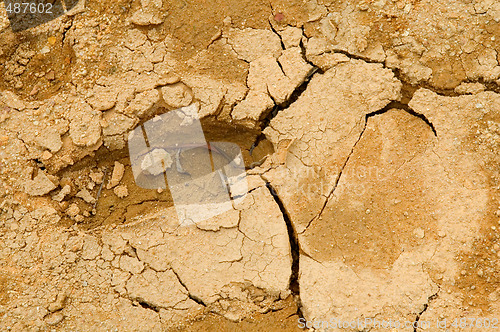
point(298, 91)
point(191, 296)
point(215, 38)
point(40, 164)
point(422, 117)
point(271, 96)
point(197, 300)
point(400, 76)
point(407, 109)
point(259, 139)
point(489, 86)
point(337, 180)
point(293, 98)
point(276, 32)
point(303, 52)
point(65, 31)
point(132, 252)
point(294, 247)
point(149, 306)
point(407, 86)
point(415, 324)
point(243, 195)
point(355, 57)
point(281, 67)
point(407, 90)
point(426, 306)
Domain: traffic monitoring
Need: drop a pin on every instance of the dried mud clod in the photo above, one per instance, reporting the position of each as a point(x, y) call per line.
point(369, 134)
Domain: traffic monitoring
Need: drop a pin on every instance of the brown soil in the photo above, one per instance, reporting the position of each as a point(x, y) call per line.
point(369, 131)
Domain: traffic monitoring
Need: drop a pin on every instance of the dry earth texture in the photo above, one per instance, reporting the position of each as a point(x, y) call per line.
point(371, 135)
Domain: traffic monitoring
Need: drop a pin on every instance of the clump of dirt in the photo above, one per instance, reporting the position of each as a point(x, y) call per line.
point(36, 66)
point(106, 207)
point(92, 200)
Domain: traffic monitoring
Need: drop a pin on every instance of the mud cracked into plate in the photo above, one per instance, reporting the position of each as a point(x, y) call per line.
point(367, 133)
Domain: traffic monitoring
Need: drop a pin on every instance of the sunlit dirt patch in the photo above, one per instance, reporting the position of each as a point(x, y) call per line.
point(378, 208)
point(479, 274)
point(479, 278)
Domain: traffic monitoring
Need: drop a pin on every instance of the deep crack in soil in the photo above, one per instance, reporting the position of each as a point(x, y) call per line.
point(426, 306)
point(294, 248)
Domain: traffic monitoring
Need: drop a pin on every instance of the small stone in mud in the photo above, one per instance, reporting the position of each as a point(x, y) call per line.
point(121, 191)
point(62, 194)
point(86, 196)
point(40, 185)
point(50, 75)
point(46, 155)
point(97, 177)
point(54, 318)
point(58, 304)
point(419, 233)
point(117, 175)
point(73, 210)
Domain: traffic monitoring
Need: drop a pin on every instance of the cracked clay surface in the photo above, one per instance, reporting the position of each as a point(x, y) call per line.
point(369, 131)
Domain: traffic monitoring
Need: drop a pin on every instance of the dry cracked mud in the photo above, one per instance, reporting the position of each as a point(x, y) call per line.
point(370, 135)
